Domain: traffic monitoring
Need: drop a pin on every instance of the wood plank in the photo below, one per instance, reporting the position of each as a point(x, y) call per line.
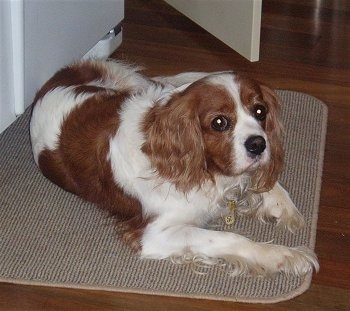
point(20, 297)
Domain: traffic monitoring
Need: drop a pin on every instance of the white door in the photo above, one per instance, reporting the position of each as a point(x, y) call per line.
point(235, 22)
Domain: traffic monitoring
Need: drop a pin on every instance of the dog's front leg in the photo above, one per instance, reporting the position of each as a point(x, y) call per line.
point(278, 206)
point(241, 254)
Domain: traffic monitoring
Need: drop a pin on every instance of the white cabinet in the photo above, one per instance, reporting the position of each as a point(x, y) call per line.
point(40, 36)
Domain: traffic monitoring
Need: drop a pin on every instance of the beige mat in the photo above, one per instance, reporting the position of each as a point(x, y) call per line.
point(50, 237)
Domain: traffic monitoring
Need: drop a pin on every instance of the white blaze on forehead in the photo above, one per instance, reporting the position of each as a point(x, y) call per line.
point(245, 121)
point(228, 81)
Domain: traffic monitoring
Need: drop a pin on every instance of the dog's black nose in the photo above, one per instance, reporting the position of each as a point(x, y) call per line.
point(255, 145)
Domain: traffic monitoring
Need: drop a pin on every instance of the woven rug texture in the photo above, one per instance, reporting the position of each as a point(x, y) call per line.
point(53, 238)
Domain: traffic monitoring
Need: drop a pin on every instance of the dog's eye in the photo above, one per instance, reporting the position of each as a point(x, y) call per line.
point(220, 123)
point(259, 112)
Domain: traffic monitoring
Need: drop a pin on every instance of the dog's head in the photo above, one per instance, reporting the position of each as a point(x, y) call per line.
point(222, 125)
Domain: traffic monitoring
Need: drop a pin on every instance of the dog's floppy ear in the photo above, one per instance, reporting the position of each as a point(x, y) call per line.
point(174, 142)
point(266, 177)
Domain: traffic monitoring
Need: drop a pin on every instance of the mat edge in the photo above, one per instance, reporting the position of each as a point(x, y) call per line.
point(268, 300)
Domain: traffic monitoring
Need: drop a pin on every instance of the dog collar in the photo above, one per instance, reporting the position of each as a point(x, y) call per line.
point(239, 199)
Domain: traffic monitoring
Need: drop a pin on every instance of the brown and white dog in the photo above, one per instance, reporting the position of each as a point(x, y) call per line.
point(166, 155)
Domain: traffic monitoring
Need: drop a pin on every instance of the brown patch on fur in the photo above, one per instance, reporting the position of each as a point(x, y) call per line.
point(80, 163)
point(132, 231)
point(180, 142)
point(52, 166)
point(76, 74)
point(253, 92)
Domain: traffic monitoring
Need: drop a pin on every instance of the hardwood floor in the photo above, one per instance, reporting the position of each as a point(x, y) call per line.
point(305, 46)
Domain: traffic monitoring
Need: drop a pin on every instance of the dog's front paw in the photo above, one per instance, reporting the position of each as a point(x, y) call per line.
point(290, 261)
point(269, 260)
point(278, 207)
point(291, 220)
point(285, 216)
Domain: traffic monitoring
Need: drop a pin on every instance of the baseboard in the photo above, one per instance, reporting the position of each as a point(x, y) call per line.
point(107, 45)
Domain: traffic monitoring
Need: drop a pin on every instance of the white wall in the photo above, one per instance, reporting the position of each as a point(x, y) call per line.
point(58, 32)
point(53, 33)
point(7, 65)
